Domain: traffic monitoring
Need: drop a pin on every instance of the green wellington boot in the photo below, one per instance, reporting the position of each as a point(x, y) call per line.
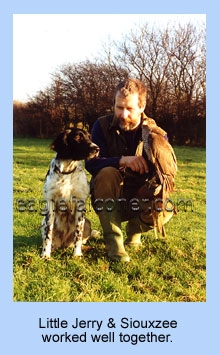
point(134, 229)
point(113, 236)
point(133, 232)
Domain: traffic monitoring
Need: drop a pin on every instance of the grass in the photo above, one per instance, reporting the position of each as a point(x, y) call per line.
point(171, 269)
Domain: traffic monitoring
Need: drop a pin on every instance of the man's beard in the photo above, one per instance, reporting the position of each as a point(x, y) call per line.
point(127, 125)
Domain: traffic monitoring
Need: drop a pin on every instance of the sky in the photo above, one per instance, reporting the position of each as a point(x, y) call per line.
point(43, 42)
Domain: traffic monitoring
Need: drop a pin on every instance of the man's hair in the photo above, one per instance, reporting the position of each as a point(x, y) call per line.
point(133, 86)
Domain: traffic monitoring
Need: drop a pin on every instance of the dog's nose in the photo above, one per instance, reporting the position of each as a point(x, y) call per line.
point(95, 147)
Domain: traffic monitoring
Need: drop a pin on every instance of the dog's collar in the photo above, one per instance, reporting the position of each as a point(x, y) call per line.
point(57, 170)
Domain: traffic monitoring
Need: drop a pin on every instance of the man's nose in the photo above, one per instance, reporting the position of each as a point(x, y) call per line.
point(124, 113)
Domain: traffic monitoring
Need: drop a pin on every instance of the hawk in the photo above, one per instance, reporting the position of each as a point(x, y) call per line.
point(162, 158)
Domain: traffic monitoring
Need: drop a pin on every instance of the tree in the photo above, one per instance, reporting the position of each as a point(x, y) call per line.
point(85, 91)
point(170, 61)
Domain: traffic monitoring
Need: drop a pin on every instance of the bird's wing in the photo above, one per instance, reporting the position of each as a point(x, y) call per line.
point(161, 154)
point(164, 159)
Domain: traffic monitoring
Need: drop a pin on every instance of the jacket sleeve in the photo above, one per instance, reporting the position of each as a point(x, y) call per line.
point(104, 159)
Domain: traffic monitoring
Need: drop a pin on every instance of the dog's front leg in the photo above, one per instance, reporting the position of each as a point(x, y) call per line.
point(80, 221)
point(47, 235)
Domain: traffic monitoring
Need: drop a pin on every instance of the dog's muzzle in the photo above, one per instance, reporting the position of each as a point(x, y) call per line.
point(94, 151)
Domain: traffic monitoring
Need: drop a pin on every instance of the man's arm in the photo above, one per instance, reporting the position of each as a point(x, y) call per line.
point(135, 163)
point(94, 165)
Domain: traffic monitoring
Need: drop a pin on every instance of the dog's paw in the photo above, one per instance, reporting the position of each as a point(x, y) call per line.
point(45, 256)
point(79, 257)
point(77, 253)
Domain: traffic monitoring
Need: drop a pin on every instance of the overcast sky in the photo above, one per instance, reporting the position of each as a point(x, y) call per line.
point(41, 43)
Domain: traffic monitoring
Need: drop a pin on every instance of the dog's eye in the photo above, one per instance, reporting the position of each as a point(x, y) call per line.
point(78, 138)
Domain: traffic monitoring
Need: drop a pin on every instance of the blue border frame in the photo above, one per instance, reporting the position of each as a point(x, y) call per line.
point(197, 330)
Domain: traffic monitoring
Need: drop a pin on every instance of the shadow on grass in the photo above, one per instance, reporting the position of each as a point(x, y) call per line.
point(93, 249)
point(24, 241)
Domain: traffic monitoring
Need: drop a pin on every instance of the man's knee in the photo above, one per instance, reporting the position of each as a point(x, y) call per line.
point(108, 175)
point(108, 183)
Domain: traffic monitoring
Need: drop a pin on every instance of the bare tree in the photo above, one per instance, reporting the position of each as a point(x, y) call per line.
point(86, 89)
point(144, 55)
point(171, 62)
point(186, 72)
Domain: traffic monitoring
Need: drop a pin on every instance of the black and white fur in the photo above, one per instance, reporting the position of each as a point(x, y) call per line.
point(65, 190)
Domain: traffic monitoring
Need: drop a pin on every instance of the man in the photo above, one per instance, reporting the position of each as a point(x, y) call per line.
point(120, 170)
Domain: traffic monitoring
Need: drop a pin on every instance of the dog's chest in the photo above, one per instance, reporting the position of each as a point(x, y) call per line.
point(66, 185)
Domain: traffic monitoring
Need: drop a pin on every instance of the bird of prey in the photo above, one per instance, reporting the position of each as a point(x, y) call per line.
point(161, 154)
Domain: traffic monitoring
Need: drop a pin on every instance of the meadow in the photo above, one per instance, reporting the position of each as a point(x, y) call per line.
point(170, 269)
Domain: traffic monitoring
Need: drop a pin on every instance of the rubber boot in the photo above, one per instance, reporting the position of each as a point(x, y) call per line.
point(133, 231)
point(113, 237)
point(108, 185)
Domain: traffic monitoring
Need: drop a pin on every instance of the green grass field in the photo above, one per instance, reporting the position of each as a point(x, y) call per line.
point(171, 269)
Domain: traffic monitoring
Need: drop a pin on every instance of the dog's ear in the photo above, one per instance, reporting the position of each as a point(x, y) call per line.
point(60, 141)
point(57, 143)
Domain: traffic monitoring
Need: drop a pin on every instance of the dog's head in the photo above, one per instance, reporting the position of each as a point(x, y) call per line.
point(74, 144)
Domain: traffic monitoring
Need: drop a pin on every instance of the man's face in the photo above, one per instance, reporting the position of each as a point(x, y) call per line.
point(127, 111)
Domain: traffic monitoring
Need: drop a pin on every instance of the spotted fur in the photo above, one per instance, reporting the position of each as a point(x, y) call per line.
point(65, 191)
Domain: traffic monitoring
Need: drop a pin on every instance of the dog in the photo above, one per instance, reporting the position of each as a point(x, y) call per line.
point(66, 189)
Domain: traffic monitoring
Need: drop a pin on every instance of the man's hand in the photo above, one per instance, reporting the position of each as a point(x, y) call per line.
point(135, 163)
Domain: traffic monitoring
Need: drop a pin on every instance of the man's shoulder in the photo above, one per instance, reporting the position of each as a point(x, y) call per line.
point(106, 118)
point(106, 121)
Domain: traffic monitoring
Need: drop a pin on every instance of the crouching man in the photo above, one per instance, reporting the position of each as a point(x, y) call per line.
point(120, 172)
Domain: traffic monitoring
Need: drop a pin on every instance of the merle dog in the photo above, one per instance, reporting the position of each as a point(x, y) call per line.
point(65, 190)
